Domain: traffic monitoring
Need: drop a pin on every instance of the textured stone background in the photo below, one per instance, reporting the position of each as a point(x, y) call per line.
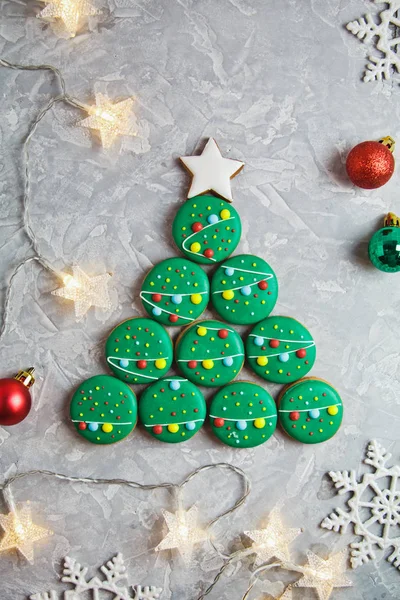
point(278, 84)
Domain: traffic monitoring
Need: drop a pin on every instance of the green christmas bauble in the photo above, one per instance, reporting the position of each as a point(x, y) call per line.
point(384, 249)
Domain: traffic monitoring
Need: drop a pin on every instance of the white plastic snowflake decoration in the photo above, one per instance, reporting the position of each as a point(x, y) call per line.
point(114, 571)
point(383, 35)
point(376, 520)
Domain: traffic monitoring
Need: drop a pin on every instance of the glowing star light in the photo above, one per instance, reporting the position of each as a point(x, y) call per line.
point(85, 291)
point(211, 172)
point(110, 119)
point(70, 14)
point(20, 533)
point(183, 532)
point(273, 541)
point(325, 575)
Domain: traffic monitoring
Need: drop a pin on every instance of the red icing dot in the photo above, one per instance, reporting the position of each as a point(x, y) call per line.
point(82, 392)
point(311, 433)
point(196, 410)
point(223, 333)
point(274, 343)
point(236, 301)
point(163, 287)
point(219, 422)
point(156, 297)
point(118, 418)
point(294, 416)
point(92, 408)
point(147, 329)
point(262, 285)
point(157, 429)
point(173, 414)
point(301, 353)
point(209, 253)
point(173, 318)
point(141, 364)
point(192, 364)
point(82, 426)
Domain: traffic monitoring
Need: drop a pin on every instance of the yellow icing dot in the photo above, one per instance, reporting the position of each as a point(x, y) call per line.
point(161, 409)
point(280, 371)
point(173, 428)
point(241, 278)
point(169, 269)
point(225, 213)
point(214, 237)
point(259, 423)
point(245, 437)
point(107, 427)
point(208, 364)
point(167, 279)
point(212, 339)
point(320, 430)
point(195, 284)
point(152, 283)
point(262, 361)
point(201, 331)
point(246, 302)
point(160, 363)
point(303, 427)
point(291, 331)
point(195, 247)
point(275, 326)
point(195, 298)
point(315, 398)
point(333, 410)
point(96, 403)
point(97, 388)
point(102, 415)
point(81, 414)
point(127, 337)
point(183, 228)
point(237, 403)
point(147, 345)
point(254, 264)
point(228, 295)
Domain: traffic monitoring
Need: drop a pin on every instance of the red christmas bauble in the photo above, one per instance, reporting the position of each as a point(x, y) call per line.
point(370, 165)
point(15, 402)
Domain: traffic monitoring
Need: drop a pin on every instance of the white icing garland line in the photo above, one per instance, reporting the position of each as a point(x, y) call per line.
point(176, 294)
point(308, 409)
point(286, 352)
point(208, 358)
point(165, 310)
point(180, 423)
point(130, 372)
point(244, 285)
point(176, 380)
point(253, 419)
point(246, 271)
point(288, 341)
point(196, 232)
point(100, 422)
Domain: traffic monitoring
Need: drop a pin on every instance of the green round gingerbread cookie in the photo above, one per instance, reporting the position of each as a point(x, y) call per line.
point(244, 289)
point(209, 353)
point(280, 349)
point(139, 350)
point(103, 410)
point(172, 409)
point(175, 292)
point(243, 415)
point(310, 410)
point(206, 229)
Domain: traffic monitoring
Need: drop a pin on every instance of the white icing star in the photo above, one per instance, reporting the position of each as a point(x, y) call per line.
point(211, 172)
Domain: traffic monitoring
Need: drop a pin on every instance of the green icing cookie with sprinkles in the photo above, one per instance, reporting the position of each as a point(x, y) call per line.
point(139, 350)
point(244, 289)
point(175, 292)
point(280, 349)
point(206, 229)
point(172, 409)
point(243, 415)
point(103, 410)
point(209, 353)
point(310, 410)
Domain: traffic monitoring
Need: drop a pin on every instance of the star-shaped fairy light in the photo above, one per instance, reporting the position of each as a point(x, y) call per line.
point(70, 14)
point(20, 533)
point(183, 532)
point(273, 541)
point(325, 575)
point(85, 291)
point(211, 172)
point(110, 119)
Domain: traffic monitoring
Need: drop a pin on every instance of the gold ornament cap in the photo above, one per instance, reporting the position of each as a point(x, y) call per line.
point(26, 377)
point(391, 220)
point(388, 142)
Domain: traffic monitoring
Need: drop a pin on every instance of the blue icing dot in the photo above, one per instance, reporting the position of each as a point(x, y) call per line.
point(314, 413)
point(228, 361)
point(124, 362)
point(174, 385)
point(93, 426)
point(190, 426)
point(156, 311)
point(176, 299)
point(241, 425)
point(229, 272)
point(284, 357)
point(212, 219)
point(246, 290)
point(258, 341)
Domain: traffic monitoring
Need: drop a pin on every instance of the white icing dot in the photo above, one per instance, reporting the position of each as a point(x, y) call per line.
point(146, 353)
point(137, 342)
point(208, 352)
point(242, 261)
point(250, 413)
point(270, 424)
point(281, 330)
point(237, 441)
point(158, 276)
point(310, 389)
point(224, 408)
point(241, 393)
point(302, 336)
point(306, 402)
point(160, 341)
point(90, 392)
point(233, 282)
point(252, 314)
point(109, 394)
point(111, 411)
point(205, 235)
point(184, 268)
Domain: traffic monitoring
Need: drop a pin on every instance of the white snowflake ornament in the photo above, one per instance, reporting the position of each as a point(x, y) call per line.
point(114, 572)
point(381, 31)
point(374, 508)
